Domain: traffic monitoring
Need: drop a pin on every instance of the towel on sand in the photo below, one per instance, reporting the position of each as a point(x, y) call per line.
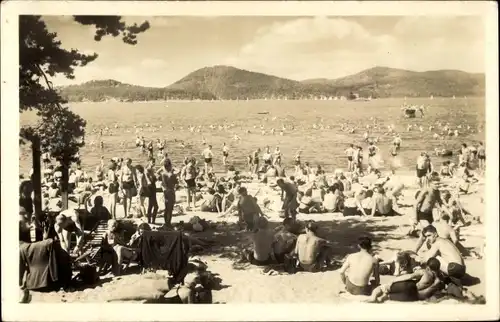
point(149, 288)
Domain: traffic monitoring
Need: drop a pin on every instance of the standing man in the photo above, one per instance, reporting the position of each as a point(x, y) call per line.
point(289, 197)
point(350, 160)
point(169, 184)
point(225, 153)
point(208, 155)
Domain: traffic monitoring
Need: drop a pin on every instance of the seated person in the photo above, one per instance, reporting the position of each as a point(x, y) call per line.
point(312, 251)
point(115, 239)
point(382, 204)
point(284, 240)
point(248, 209)
point(357, 269)
point(453, 207)
point(345, 182)
point(262, 239)
point(53, 191)
point(306, 203)
point(394, 188)
point(230, 197)
point(418, 285)
point(99, 211)
point(334, 200)
point(353, 204)
point(402, 263)
point(211, 202)
point(135, 237)
point(449, 256)
point(446, 170)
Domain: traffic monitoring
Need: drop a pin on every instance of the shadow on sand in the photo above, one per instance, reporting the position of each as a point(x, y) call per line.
point(229, 240)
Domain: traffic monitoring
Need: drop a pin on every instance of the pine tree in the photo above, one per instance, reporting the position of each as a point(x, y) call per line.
point(58, 130)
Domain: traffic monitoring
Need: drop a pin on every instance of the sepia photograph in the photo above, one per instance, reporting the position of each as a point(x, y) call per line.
point(333, 159)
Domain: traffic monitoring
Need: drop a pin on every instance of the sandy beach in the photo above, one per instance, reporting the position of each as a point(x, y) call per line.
point(244, 283)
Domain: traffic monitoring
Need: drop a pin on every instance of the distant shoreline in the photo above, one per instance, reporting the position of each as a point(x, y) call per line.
point(275, 100)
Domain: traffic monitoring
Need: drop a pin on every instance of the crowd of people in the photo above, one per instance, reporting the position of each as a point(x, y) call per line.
point(358, 191)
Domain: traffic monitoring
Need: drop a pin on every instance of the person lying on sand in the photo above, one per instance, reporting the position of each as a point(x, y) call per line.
point(452, 262)
point(357, 269)
point(312, 251)
point(418, 285)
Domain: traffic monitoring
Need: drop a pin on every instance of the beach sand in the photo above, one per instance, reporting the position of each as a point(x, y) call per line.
point(249, 284)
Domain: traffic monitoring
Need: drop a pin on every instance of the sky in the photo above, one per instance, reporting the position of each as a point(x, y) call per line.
point(297, 48)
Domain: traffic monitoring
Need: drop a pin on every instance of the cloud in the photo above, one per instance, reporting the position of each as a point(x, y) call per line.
point(334, 47)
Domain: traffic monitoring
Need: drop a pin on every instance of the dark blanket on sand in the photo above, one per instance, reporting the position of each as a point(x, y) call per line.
point(46, 264)
point(164, 250)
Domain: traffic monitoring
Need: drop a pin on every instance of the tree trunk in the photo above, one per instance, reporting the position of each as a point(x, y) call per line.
point(37, 187)
point(64, 185)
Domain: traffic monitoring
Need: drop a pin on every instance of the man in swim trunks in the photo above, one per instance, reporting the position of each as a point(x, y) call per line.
point(452, 262)
point(255, 161)
point(248, 209)
point(358, 268)
point(427, 200)
point(225, 153)
point(262, 239)
point(208, 155)
point(382, 204)
point(418, 285)
point(289, 197)
point(312, 251)
point(350, 153)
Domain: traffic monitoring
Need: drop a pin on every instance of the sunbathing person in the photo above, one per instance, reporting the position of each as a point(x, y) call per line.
point(333, 200)
point(358, 268)
point(311, 251)
point(382, 205)
point(262, 239)
point(353, 204)
point(211, 202)
point(452, 262)
point(284, 240)
point(414, 286)
point(248, 209)
point(114, 238)
point(402, 263)
point(307, 205)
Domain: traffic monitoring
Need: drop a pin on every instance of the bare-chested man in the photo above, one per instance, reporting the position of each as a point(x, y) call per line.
point(311, 250)
point(350, 160)
point(452, 262)
point(262, 239)
point(358, 268)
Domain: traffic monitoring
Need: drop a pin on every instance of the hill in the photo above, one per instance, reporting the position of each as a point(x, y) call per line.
point(391, 82)
point(225, 82)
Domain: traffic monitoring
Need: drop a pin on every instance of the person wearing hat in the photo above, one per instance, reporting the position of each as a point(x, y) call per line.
point(359, 267)
point(311, 251)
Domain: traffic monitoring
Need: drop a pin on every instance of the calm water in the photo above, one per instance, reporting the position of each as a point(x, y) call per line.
point(319, 146)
